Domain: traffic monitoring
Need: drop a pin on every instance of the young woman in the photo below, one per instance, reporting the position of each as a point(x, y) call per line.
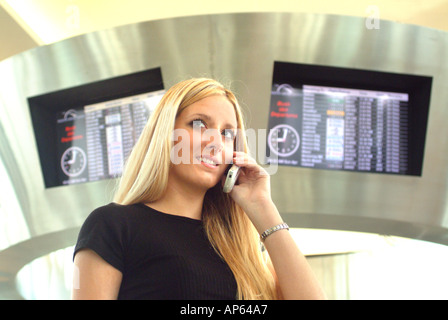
point(172, 233)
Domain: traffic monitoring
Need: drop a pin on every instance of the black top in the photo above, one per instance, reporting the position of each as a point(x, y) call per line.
point(161, 256)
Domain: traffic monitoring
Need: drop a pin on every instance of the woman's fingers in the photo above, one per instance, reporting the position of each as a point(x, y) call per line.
point(243, 160)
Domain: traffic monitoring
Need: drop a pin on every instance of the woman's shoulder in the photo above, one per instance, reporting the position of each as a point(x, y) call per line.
point(113, 208)
point(114, 212)
point(136, 214)
point(107, 230)
point(107, 211)
point(112, 220)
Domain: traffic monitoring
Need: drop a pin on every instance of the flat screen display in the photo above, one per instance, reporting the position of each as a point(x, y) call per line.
point(93, 142)
point(346, 119)
point(85, 133)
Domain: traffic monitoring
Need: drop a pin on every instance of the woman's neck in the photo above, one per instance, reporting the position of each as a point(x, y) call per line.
point(180, 201)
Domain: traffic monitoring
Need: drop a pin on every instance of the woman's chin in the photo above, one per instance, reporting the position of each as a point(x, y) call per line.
point(208, 179)
point(206, 183)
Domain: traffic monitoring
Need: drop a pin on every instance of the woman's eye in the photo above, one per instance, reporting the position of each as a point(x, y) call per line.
point(229, 134)
point(198, 124)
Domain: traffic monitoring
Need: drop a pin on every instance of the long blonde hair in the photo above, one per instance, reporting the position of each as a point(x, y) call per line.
point(228, 228)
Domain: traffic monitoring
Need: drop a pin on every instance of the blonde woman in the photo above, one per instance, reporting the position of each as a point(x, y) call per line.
point(172, 233)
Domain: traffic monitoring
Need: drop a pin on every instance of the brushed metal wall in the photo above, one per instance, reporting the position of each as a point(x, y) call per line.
point(239, 49)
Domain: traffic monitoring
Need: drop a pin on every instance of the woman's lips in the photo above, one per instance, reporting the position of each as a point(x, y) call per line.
point(210, 162)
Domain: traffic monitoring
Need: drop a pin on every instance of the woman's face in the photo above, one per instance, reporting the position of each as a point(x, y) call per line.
point(204, 140)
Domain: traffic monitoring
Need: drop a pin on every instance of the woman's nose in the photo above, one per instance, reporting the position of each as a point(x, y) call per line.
point(213, 140)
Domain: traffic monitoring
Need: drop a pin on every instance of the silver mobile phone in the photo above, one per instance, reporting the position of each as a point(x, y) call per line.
point(232, 176)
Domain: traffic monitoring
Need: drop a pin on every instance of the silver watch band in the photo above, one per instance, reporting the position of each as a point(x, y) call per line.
point(270, 231)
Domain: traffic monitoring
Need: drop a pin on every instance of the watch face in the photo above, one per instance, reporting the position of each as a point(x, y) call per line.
point(283, 140)
point(73, 161)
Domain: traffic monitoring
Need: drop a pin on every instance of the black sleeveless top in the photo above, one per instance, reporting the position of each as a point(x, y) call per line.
point(161, 256)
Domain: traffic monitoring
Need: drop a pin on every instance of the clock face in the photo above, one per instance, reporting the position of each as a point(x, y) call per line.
point(283, 140)
point(73, 161)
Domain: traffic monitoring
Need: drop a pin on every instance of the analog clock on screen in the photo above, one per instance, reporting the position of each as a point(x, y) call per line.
point(283, 140)
point(73, 161)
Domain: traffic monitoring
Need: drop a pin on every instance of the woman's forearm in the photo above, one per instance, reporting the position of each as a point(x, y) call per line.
point(295, 278)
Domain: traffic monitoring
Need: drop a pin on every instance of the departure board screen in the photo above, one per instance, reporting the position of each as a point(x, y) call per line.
point(337, 126)
point(94, 141)
point(85, 133)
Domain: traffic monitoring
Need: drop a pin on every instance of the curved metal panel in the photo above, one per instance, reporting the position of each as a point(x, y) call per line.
point(248, 45)
point(240, 49)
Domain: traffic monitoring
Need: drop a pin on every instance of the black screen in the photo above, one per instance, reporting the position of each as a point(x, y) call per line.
point(85, 133)
point(346, 119)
